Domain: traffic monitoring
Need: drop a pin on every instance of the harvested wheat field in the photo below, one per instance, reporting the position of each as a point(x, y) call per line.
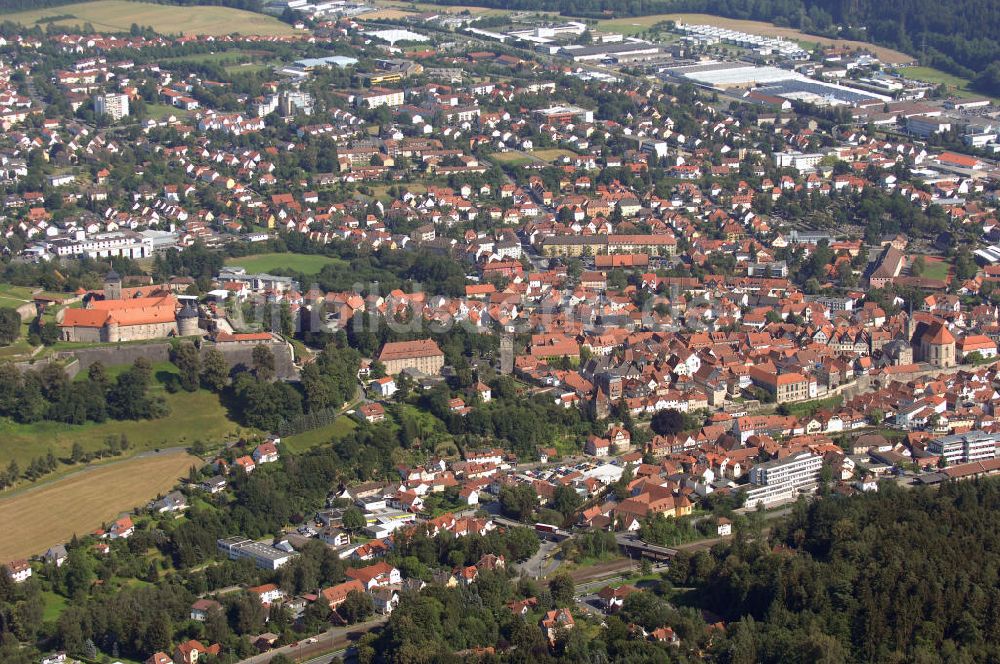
point(37, 518)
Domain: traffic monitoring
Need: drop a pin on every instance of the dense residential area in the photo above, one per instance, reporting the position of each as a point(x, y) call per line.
point(343, 331)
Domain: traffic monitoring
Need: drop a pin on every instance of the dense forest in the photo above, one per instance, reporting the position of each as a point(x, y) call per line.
point(23, 5)
point(902, 575)
point(961, 40)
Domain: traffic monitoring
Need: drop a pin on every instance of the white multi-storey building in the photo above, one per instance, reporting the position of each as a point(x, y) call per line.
point(112, 104)
point(783, 479)
point(965, 447)
point(102, 245)
point(264, 556)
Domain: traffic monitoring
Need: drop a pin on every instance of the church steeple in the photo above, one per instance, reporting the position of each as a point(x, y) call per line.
point(911, 327)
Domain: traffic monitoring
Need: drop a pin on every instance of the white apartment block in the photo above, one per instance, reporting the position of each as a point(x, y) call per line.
point(112, 104)
point(798, 160)
point(965, 447)
point(102, 245)
point(782, 479)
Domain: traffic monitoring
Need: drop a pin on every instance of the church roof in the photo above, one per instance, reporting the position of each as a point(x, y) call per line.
point(938, 335)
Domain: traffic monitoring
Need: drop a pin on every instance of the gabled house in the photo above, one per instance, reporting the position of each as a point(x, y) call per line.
point(122, 528)
point(190, 651)
point(55, 555)
point(201, 608)
point(373, 576)
point(265, 453)
point(334, 596)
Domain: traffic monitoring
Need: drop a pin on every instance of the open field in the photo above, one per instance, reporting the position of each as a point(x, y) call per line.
point(960, 87)
point(193, 416)
point(381, 191)
point(54, 605)
point(553, 153)
point(164, 111)
point(38, 518)
point(636, 24)
point(513, 158)
point(301, 442)
point(305, 263)
point(936, 268)
point(418, 7)
point(119, 15)
point(27, 294)
point(386, 14)
point(231, 55)
point(247, 68)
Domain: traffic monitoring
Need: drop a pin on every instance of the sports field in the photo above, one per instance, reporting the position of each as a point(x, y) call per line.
point(636, 24)
point(37, 518)
point(513, 158)
point(305, 263)
point(553, 153)
point(235, 55)
point(936, 268)
point(119, 15)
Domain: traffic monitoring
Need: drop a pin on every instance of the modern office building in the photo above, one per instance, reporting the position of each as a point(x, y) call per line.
point(965, 447)
point(783, 479)
point(263, 555)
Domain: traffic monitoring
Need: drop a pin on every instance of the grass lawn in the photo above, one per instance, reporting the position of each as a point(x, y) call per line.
point(247, 68)
point(568, 446)
point(119, 15)
point(513, 158)
point(301, 442)
point(426, 422)
point(193, 416)
point(381, 191)
point(936, 269)
point(231, 55)
point(956, 84)
point(806, 408)
point(54, 605)
point(553, 153)
point(164, 111)
point(10, 291)
point(80, 503)
point(305, 263)
point(11, 302)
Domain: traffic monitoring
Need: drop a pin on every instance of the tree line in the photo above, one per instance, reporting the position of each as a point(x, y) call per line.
point(901, 575)
point(49, 394)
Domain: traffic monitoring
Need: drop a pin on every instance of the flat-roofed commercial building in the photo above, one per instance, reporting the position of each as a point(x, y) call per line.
point(783, 479)
point(263, 555)
point(965, 447)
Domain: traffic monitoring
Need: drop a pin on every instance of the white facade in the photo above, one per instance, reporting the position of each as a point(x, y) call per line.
point(965, 447)
point(782, 479)
point(113, 105)
point(103, 245)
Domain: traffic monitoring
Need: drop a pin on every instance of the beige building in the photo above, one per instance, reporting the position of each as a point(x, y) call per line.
point(119, 318)
point(422, 355)
point(785, 387)
point(937, 346)
point(111, 321)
